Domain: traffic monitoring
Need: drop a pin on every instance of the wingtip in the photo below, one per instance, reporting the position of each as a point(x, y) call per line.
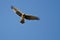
point(38, 18)
point(12, 7)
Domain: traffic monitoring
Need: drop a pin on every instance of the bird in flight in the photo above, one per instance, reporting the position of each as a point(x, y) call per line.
point(23, 16)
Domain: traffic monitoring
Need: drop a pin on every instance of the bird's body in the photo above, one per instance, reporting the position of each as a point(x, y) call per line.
point(24, 16)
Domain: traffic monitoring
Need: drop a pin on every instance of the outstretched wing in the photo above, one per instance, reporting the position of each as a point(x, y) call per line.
point(16, 11)
point(30, 17)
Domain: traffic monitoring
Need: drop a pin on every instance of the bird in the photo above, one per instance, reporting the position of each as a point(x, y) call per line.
point(23, 15)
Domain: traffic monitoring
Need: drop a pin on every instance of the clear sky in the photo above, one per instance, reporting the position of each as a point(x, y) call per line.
point(48, 28)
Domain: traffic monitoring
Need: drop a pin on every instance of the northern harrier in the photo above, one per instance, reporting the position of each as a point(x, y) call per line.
point(24, 16)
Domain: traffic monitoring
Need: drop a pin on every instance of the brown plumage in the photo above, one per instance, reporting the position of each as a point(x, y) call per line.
point(24, 16)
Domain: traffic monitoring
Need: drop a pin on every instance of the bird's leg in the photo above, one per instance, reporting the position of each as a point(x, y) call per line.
point(22, 20)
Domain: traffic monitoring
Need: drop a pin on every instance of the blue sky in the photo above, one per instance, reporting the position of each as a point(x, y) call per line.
point(48, 28)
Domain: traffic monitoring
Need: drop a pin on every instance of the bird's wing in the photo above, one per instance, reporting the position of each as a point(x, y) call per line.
point(30, 17)
point(16, 11)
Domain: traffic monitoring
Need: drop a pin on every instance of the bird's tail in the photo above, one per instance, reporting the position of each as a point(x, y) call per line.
point(22, 21)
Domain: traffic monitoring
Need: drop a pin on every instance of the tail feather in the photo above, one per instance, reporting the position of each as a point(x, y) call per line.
point(22, 21)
